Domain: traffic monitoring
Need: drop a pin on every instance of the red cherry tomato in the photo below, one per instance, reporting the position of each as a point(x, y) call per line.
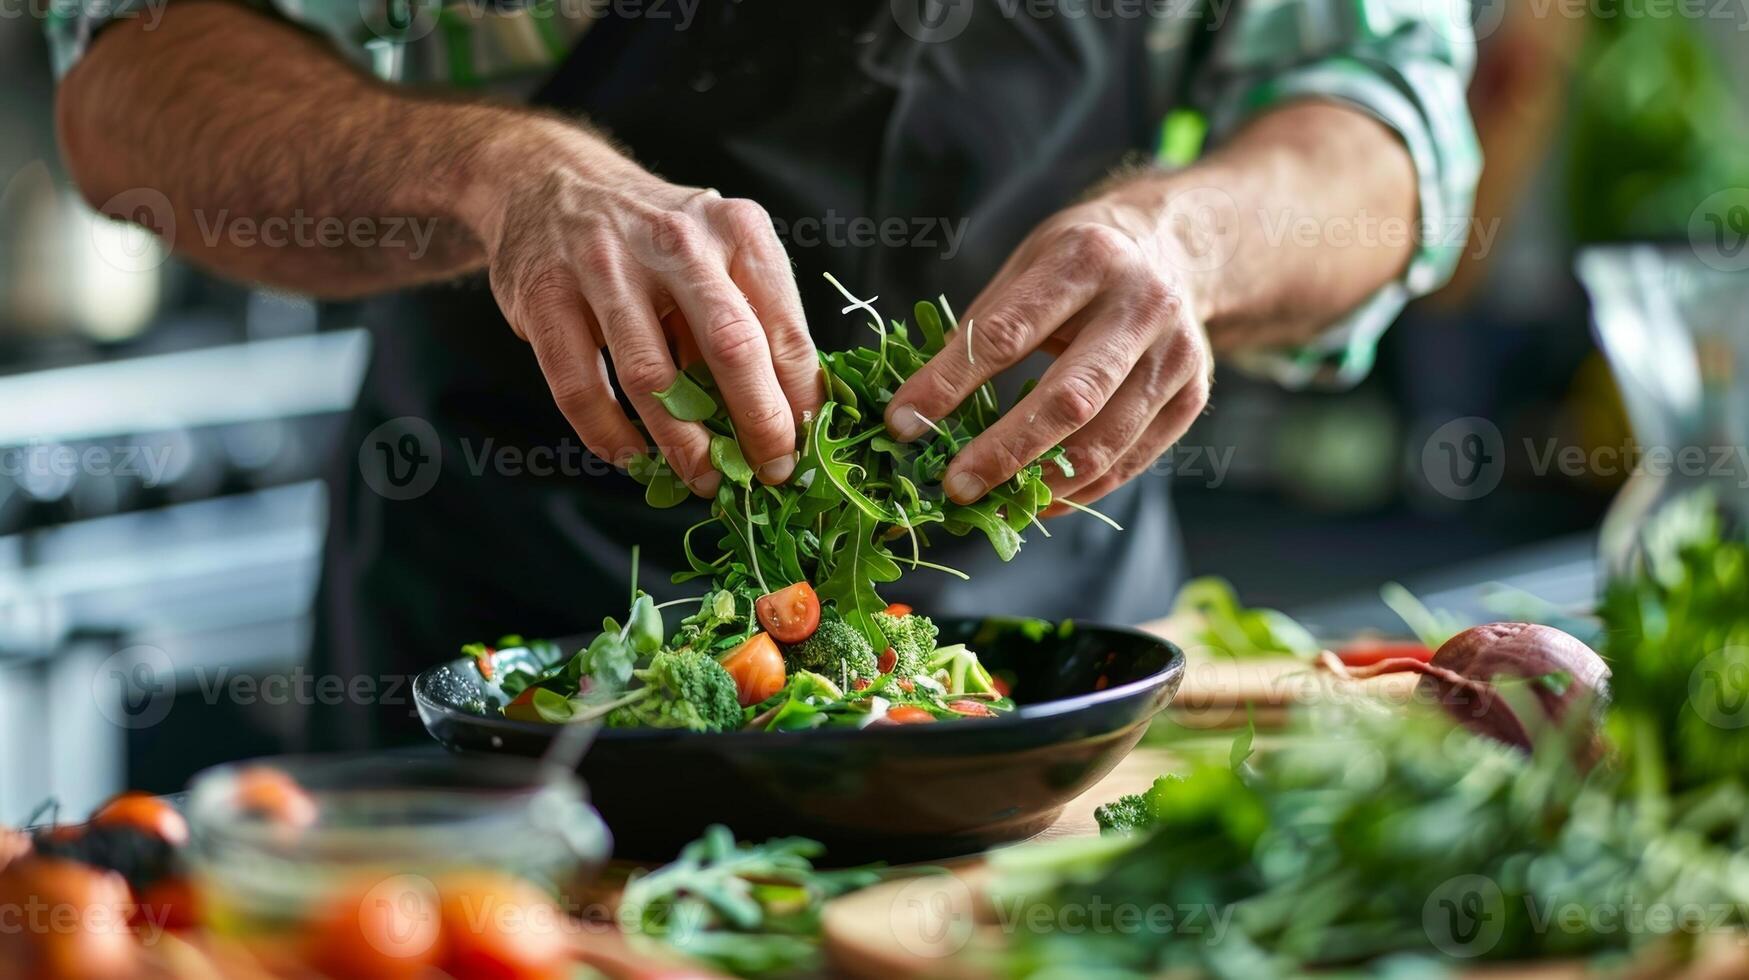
point(909, 714)
point(80, 928)
point(169, 903)
point(1367, 653)
point(383, 929)
point(906, 685)
point(498, 927)
point(860, 684)
point(757, 667)
point(1002, 687)
point(898, 609)
point(521, 707)
point(272, 794)
point(966, 706)
point(889, 660)
point(790, 614)
point(484, 662)
point(143, 811)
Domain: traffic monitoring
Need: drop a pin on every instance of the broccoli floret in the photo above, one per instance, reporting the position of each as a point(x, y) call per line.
point(1137, 811)
point(684, 690)
point(836, 650)
point(912, 638)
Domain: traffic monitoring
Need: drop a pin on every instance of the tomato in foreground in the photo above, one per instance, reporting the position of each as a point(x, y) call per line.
point(499, 927)
point(382, 930)
point(908, 714)
point(146, 812)
point(757, 667)
point(1368, 653)
point(790, 614)
point(84, 933)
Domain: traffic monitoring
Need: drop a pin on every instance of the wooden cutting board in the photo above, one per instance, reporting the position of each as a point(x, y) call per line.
point(1223, 692)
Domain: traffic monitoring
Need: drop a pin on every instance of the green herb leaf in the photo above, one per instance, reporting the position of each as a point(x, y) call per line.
point(686, 401)
point(727, 458)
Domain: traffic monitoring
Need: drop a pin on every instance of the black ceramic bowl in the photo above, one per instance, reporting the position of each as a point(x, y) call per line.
point(892, 793)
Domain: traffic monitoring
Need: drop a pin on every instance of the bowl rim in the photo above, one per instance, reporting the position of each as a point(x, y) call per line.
point(1020, 717)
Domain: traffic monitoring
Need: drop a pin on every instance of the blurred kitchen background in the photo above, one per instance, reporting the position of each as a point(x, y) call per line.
point(164, 434)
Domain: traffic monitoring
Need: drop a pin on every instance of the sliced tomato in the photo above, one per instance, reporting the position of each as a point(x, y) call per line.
point(908, 714)
point(966, 706)
point(757, 667)
point(143, 811)
point(860, 684)
point(906, 685)
point(1002, 687)
point(498, 927)
point(484, 662)
point(889, 660)
point(521, 708)
point(791, 614)
point(898, 609)
point(1367, 653)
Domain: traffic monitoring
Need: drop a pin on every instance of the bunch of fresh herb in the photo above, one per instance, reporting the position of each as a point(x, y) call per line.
point(750, 909)
point(856, 492)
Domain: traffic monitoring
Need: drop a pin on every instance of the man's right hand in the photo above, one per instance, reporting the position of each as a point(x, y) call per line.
point(593, 259)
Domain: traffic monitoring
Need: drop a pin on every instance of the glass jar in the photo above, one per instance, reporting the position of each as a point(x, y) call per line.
point(384, 815)
point(1676, 332)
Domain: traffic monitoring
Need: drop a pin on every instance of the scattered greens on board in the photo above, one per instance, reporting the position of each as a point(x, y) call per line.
point(1399, 843)
point(1226, 625)
point(750, 909)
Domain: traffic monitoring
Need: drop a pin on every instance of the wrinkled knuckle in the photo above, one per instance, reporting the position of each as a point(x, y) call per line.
point(746, 220)
point(1093, 245)
point(765, 419)
point(601, 261)
point(619, 320)
point(1002, 336)
point(644, 372)
point(732, 339)
point(1005, 456)
point(1156, 301)
point(1075, 400)
point(545, 292)
point(678, 234)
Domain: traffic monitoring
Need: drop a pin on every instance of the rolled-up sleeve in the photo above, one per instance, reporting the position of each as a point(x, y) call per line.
point(1408, 64)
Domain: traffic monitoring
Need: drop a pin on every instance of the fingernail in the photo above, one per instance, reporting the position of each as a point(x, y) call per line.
point(706, 485)
point(778, 470)
point(965, 488)
point(906, 422)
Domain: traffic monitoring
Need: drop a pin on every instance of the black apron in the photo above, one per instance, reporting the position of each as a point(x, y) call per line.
point(841, 123)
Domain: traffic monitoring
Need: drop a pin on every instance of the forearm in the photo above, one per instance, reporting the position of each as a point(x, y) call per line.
point(1297, 220)
point(283, 164)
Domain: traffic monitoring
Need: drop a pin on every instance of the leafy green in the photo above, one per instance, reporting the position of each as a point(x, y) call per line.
point(857, 493)
point(686, 400)
point(1227, 626)
point(750, 909)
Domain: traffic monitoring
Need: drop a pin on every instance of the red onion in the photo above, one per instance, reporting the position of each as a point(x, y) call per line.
point(1563, 675)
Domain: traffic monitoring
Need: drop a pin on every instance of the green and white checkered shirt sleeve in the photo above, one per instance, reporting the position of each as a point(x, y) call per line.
point(1406, 62)
point(468, 44)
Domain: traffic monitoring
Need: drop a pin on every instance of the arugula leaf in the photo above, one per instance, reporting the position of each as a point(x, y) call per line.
point(858, 564)
point(686, 401)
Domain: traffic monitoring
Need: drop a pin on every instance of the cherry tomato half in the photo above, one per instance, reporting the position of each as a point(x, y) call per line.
point(889, 660)
point(521, 707)
point(908, 714)
point(143, 811)
point(898, 609)
point(790, 614)
point(757, 667)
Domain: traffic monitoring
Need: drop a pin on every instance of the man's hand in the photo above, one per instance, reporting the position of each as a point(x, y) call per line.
point(1096, 285)
point(1134, 289)
point(590, 255)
